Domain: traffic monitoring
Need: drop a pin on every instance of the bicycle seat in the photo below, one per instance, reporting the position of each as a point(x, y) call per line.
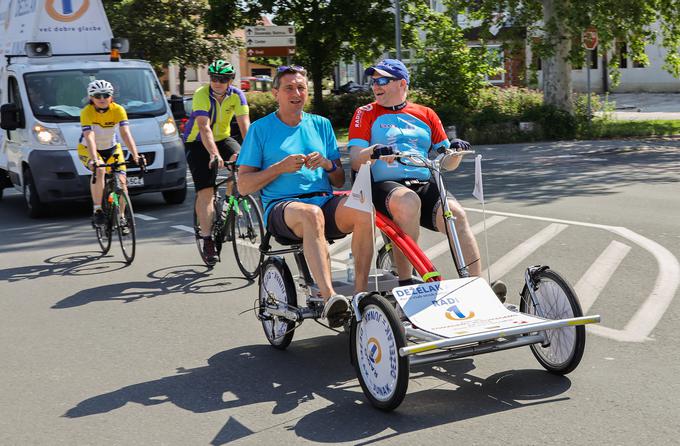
point(298, 241)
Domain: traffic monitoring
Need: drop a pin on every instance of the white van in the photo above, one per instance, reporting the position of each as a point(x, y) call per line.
point(50, 51)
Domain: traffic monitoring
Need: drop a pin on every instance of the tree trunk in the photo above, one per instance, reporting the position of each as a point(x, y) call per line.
point(182, 76)
point(317, 101)
point(557, 68)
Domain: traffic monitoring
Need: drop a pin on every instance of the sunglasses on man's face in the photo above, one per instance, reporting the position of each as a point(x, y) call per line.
point(221, 79)
point(101, 95)
point(382, 81)
point(290, 68)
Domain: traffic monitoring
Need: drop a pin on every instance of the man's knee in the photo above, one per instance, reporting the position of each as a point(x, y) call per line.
point(405, 206)
point(311, 217)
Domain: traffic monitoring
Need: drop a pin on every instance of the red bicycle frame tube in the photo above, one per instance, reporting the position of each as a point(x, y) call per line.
point(405, 244)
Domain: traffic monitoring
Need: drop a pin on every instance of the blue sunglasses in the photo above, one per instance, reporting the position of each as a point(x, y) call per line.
point(290, 68)
point(382, 81)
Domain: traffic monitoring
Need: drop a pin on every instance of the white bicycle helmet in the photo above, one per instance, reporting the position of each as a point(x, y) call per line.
point(99, 86)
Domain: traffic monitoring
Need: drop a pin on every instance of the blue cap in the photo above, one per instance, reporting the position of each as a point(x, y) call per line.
point(390, 68)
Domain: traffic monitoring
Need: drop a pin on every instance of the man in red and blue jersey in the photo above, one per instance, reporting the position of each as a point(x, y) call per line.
point(407, 194)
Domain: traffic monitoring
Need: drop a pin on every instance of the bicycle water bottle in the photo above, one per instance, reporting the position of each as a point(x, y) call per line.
point(350, 268)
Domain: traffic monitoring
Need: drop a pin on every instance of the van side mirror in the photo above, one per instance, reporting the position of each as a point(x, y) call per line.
point(11, 117)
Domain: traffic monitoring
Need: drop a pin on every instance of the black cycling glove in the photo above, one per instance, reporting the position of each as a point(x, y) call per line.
point(459, 144)
point(383, 150)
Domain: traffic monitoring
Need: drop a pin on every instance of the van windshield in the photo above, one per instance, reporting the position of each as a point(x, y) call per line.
point(59, 96)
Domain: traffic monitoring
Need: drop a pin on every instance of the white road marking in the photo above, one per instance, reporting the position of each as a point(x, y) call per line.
point(503, 265)
point(183, 228)
point(666, 285)
point(443, 246)
point(591, 284)
point(145, 217)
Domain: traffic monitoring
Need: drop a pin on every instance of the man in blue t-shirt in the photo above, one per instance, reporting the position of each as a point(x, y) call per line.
point(292, 157)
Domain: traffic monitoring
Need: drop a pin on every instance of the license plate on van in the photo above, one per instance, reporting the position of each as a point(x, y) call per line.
point(135, 181)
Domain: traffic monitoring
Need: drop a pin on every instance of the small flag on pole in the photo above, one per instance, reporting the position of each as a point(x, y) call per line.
point(478, 192)
point(360, 197)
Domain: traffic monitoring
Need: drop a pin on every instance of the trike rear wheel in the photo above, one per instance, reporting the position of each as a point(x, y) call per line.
point(555, 299)
point(277, 290)
point(374, 344)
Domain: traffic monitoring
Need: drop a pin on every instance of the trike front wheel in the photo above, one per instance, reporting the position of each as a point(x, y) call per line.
point(374, 344)
point(555, 299)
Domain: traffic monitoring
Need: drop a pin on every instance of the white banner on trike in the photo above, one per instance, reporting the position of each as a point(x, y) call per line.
point(457, 307)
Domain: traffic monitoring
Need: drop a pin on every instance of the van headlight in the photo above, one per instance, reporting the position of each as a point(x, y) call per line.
point(48, 136)
point(168, 127)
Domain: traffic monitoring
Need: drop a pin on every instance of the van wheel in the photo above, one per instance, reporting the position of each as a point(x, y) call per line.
point(35, 207)
point(175, 196)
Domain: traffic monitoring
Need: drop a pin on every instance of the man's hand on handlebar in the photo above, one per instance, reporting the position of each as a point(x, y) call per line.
point(385, 153)
point(140, 160)
point(216, 160)
point(459, 145)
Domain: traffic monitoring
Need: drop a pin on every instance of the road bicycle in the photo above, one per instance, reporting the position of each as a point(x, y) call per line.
point(236, 219)
point(118, 212)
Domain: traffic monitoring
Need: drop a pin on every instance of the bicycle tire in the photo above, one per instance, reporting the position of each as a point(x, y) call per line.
point(105, 233)
point(556, 300)
point(128, 242)
point(247, 232)
point(384, 380)
point(199, 238)
point(276, 282)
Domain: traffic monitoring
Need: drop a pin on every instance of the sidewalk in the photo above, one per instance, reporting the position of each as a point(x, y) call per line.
point(645, 106)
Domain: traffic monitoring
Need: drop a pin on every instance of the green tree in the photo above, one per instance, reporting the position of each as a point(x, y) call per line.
point(450, 73)
point(165, 31)
point(331, 30)
point(557, 26)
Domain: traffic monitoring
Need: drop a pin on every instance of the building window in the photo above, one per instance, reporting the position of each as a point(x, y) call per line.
point(496, 57)
point(191, 74)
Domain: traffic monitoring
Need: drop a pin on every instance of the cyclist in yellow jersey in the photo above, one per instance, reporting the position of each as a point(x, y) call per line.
point(207, 137)
point(99, 121)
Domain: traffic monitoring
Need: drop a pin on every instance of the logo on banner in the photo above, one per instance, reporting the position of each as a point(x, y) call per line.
point(374, 351)
point(66, 10)
point(455, 314)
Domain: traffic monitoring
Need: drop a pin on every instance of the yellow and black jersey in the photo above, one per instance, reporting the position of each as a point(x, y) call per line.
point(104, 125)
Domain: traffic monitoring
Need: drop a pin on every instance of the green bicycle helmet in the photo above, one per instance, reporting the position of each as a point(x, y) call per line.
point(221, 67)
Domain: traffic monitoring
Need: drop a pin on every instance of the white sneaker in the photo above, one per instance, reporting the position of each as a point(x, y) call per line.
point(335, 310)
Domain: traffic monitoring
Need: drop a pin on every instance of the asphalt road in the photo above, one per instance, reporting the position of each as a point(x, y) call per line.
point(168, 352)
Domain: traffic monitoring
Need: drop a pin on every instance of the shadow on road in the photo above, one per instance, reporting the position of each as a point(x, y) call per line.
point(542, 173)
point(72, 264)
point(319, 369)
point(186, 279)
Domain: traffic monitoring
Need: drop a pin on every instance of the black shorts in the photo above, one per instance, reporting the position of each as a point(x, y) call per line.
point(426, 190)
point(198, 159)
point(278, 227)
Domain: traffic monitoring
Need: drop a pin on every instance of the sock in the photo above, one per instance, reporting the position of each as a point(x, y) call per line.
point(97, 207)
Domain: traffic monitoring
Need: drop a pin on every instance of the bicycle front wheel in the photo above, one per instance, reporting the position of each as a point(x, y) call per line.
point(247, 233)
point(104, 233)
point(125, 224)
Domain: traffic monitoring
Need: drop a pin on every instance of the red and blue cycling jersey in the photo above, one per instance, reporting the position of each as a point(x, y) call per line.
point(413, 129)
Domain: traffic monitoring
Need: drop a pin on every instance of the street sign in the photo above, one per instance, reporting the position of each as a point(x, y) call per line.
point(589, 38)
point(268, 41)
point(272, 31)
point(272, 51)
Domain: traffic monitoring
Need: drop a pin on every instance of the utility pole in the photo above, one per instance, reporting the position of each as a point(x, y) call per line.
point(397, 27)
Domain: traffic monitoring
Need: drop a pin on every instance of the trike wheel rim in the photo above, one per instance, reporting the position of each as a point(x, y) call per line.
point(377, 354)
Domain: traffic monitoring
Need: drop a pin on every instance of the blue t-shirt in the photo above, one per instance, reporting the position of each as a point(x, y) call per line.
point(269, 140)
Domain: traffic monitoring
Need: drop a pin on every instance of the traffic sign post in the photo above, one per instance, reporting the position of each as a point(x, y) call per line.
point(270, 41)
point(589, 40)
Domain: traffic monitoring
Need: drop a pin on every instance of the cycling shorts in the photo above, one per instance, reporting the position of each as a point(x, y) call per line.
point(426, 190)
point(276, 224)
point(110, 155)
point(198, 159)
